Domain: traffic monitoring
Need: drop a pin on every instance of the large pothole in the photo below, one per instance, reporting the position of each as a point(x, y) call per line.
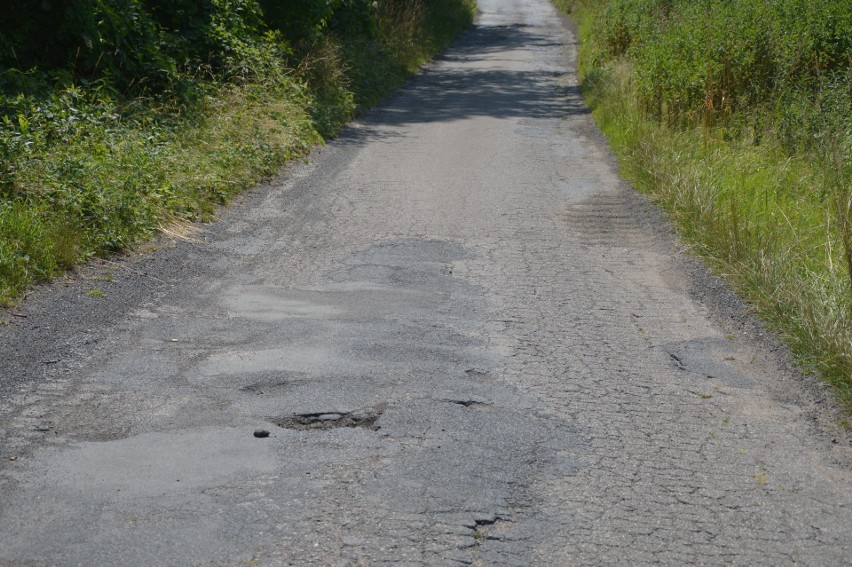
point(365, 418)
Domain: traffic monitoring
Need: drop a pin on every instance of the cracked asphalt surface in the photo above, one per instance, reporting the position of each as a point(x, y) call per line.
point(470, 341)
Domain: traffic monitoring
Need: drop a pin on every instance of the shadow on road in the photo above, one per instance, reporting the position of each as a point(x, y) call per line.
point(472, 80)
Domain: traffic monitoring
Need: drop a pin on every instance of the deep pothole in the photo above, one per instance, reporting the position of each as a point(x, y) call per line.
point(365, 418)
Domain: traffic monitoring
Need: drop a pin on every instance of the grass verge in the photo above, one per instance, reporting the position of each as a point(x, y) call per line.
point(761, 187)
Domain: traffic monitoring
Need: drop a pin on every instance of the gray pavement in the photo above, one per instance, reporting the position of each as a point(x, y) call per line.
point(471, 344)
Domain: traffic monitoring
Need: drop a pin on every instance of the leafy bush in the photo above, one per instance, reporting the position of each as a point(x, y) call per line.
point(113, 40)
point(299, 20)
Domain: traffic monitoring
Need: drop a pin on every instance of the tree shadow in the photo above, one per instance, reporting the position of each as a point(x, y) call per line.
point(472, 80)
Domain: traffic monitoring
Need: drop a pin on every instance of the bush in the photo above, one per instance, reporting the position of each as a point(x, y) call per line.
point(112, 40)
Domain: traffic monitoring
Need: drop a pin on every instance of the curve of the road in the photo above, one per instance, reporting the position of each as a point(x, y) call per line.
point(469, 340)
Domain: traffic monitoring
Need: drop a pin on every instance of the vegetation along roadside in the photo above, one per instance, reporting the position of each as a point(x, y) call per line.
point(143, 113)
point(736, 115)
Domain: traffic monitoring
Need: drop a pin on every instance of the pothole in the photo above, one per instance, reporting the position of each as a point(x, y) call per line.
point(365, 418)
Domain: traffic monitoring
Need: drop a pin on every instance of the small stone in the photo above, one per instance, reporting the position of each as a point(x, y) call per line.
point(261, 432)
point(13, 458)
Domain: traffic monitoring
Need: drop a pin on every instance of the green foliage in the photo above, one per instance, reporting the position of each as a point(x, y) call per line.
point(737, 116)
point(299, 20)
point(132, 46)
point(112, 40)
point(355, 18)
point(706, 61)
point(23, 255)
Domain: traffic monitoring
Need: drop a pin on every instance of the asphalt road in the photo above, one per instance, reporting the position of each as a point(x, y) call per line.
point(470, 341)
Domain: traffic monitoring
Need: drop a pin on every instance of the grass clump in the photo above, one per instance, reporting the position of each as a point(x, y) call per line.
point(737, 116)
point(143, 113)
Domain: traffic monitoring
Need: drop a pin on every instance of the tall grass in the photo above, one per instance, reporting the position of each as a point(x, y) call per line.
point(737, 117)
point(85, 172)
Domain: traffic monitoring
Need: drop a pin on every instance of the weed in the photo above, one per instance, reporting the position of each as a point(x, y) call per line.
point(96, 293)
point(107, 277)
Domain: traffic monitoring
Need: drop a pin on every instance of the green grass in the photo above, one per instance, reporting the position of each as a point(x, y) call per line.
point(767, 207)
point(84, 172)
